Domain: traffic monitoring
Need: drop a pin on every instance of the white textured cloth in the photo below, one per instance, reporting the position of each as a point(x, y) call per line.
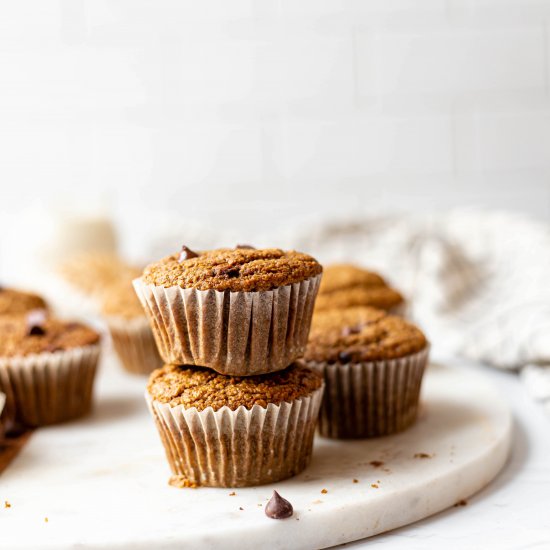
point(478, 282)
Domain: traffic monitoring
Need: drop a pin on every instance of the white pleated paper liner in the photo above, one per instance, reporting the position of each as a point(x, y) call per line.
point(240, 448)
point(134, 344)
point(48, 388)
point(233, 333)
point(370, 399)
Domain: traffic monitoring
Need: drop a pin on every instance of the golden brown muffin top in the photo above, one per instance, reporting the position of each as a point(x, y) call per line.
point(201, 388)
point(120, 300)
point(361, 334)
point(382, 297)
point(347, 285)
point(36, 333)
point(345, 276)
point(233, 269)
point(94, 272)
point(13, 302)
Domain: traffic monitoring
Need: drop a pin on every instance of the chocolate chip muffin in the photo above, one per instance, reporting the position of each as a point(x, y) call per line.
point(347, 285)
point(239, 311)
point(262, 425)
point(373, 364)
point(14, 302)
point(130, 331)
point(47, 367)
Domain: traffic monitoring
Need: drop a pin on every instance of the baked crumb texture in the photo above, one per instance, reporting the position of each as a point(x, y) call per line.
point(361, 334)
point(241, 447)
point(54, 335)
point(202, 388)
point(14, 302)
point(236, 270)
point(347, 285)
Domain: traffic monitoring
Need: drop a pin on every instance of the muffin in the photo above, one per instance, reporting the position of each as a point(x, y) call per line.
point(47, 368)
point(14, 302)
point(129, 328)
point(222, 431)
point(93, 272)
point(347, 285)
point(372, 364)
point(239, 311)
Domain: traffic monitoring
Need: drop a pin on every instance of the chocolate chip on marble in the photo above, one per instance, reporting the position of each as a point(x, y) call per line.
point(186, 254)
point(278, 507)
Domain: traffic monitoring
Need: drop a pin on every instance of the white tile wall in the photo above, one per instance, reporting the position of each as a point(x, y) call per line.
point(310, 105)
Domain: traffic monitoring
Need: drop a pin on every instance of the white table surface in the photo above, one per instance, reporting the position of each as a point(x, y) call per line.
point(513, 512)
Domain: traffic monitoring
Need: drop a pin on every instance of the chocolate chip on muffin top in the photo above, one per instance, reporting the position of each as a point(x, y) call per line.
point(347, 285)
point(33, 333)
point(201, 388)
point(361, 334)
point(240, 269)
point(14, 302)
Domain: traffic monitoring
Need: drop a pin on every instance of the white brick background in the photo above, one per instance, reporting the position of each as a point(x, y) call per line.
point(259, 109)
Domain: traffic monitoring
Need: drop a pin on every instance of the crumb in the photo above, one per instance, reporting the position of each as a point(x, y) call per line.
point(241, 508)
point(324, 491)
point(376, 463)
point(46, 520)
point(181, 482)
point(233, 494)
point(462, 502)
point(317, 501)
point(374, 486)
point(260, 504)
point(377, 481)
point(422, 455)
point(7, 504)
point(297, 519)
point(387, 470)
point(355, 481)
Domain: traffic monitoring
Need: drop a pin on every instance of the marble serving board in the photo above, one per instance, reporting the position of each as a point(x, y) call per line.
point(102, 482)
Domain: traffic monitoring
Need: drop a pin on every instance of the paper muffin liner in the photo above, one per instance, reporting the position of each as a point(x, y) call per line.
point(233, 333)
point(134, 344)
point(48, 388)
point(240, 448)
point(370, 399)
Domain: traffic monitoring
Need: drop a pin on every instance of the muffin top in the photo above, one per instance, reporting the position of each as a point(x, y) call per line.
point(36, 333)
point(120, 300)
point(361, 334)
point(13, 302)
point(347, 285)
point(233, 269)
point(94, 272)
point(201, 388)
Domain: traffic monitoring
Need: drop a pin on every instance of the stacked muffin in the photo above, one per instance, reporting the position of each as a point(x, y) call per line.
point(47, 366)
point(372, 361)
point(232, 406)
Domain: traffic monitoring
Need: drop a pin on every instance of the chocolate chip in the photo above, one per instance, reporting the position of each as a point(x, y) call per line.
point(348, 331)
point(35, 322)
point(278, 507)
point(233, 272)
point(247, 246)
point(186, 254)
point(344, 356)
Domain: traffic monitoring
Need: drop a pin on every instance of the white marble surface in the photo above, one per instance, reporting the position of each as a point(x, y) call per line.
point(101, 482)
